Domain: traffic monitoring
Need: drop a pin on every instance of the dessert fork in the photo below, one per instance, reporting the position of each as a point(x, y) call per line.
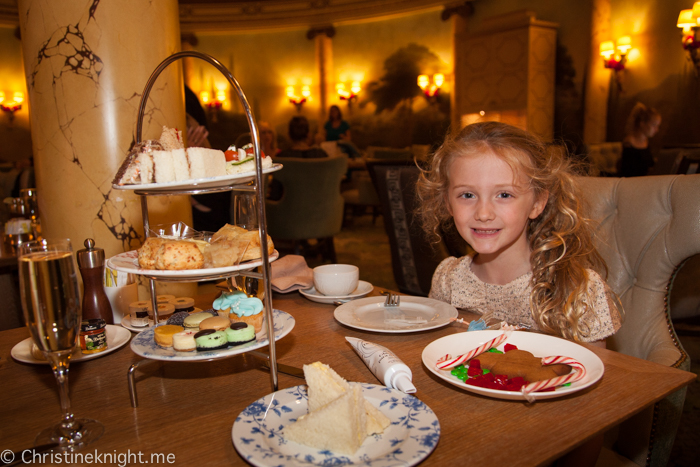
point(392, 300)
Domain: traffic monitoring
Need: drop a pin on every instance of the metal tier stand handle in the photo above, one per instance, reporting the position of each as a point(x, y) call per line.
point(259, 186)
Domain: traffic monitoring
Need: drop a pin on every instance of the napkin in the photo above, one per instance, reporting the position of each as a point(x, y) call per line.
point(291, 273)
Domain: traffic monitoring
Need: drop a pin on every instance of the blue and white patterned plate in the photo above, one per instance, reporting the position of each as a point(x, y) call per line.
point(413, 434)
point(145, 345)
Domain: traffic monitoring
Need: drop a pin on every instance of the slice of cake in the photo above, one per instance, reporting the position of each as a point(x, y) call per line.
point(206, 163)
point(338, 426)
point(171, 139)
point(325, 385)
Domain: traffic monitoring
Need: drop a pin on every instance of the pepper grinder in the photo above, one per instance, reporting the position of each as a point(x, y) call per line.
point(91, 262)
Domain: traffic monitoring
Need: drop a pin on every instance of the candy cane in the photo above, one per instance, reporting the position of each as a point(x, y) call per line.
point(447, 362)
point(579, 371)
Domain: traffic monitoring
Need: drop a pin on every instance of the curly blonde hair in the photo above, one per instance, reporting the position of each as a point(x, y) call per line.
point(560, 238)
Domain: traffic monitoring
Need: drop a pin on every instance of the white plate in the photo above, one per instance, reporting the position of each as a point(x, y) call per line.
point(117, 337)
point(414, 314)
point(363, 288)
point(144, 345)
point(258, 432)
point(200, 183)
point(540, 345)
point(129, 262)
point(126, 322)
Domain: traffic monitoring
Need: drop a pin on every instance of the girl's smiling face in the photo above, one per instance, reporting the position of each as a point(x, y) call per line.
point(491, 207)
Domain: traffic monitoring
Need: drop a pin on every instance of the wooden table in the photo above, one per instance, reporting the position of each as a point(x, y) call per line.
point(188, 409)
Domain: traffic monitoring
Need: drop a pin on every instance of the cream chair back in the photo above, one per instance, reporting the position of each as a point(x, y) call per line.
point(648, 226)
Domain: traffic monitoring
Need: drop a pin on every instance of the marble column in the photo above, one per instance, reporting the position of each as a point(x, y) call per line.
point(598, 77)
point(86, 64)
point(323, 43)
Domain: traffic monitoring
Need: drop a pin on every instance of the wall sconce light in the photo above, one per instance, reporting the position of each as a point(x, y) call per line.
point(346, 95)
point(431, 85)
point(688, 21)
point(610, 58)
point(11, 106)
point(213, 103)
point(296, 99)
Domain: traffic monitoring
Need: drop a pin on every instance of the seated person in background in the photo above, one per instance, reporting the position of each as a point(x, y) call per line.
point(642, 124)
point(268, 139)
point(337, 129)
point(299, 134)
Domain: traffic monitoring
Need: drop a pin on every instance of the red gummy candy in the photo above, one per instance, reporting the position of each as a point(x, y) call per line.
point(474, 368)
point(509, 347)
point(519, 380)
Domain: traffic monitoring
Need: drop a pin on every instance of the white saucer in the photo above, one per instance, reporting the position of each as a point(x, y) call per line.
point(126, 322)
point(116, 338)
point(363, 288)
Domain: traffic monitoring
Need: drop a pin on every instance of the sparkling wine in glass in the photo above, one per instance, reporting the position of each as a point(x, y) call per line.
point(51, 304)
point(245, 214)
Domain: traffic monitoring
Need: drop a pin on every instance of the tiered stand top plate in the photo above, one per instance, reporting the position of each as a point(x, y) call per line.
point(198, 184)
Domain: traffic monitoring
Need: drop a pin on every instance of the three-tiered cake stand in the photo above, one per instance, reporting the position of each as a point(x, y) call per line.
point(249, 183)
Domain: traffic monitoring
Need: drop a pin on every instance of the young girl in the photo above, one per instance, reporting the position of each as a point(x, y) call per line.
point(517, 204)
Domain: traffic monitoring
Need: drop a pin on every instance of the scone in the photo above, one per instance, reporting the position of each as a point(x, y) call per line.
point(177, 255)
point(147, 252)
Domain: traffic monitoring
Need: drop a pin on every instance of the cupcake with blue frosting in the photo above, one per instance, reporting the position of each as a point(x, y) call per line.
point(241, 308)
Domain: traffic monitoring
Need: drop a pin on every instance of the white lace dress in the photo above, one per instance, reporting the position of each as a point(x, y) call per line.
point(455, 283)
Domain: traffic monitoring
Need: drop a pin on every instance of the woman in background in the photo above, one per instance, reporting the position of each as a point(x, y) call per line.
point(642, 124)
point(336, 128)
point(268, 139)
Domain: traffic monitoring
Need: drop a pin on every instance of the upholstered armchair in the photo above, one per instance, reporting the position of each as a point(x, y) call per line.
point(311, 206)
point(648, 227)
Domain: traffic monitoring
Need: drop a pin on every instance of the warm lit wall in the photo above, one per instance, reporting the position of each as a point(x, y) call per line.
point(15, 140)
point(573, 18)
point(658, 74)
point(265, 63)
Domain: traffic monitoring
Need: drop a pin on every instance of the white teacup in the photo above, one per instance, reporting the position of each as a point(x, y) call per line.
point(335, 280)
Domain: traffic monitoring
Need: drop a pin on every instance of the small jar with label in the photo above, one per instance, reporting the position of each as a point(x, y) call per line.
point(93, 336)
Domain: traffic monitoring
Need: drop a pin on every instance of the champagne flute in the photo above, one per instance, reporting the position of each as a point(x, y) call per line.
point(51, 304)
point(245, 214)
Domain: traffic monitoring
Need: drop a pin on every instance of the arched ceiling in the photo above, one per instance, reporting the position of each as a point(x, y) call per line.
point(259, 15)
point(256, 15)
